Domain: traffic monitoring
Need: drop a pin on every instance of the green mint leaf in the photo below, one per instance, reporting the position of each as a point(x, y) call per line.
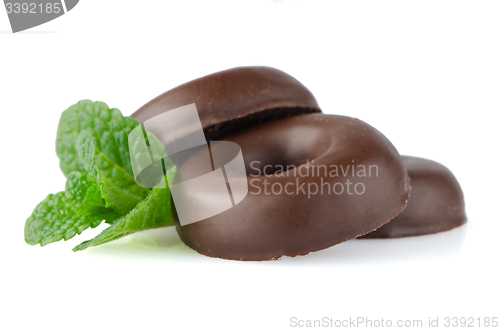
point(118, 186)
point(109, 127)
point(65, 214)
point(153, 212)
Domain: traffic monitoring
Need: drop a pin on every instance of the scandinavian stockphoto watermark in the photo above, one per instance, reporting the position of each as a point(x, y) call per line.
point(27, 14)
point(334, 179)
point(218, 181)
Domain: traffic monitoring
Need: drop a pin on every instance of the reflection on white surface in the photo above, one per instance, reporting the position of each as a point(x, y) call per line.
point(382, 251)
point(165, 244)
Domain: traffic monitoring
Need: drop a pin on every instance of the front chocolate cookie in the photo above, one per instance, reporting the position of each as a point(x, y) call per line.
point(314, 180)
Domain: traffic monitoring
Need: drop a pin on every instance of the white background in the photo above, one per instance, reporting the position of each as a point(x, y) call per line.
point(425, 73)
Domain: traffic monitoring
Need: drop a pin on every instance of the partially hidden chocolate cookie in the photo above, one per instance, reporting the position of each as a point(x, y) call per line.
point(236, 98)
point(436, 203)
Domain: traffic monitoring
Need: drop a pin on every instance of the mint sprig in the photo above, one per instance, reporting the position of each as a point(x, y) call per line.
point(153, 212)
point(118, 187)
point(92, 144)
point(108, 126)
point(65, 214)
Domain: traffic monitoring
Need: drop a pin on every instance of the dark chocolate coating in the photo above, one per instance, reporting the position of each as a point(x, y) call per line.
point(436, 203)
point(265, 227)
point(236, 98)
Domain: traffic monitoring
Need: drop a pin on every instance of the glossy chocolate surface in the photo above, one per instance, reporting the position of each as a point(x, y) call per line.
point(268, 226)
point(436, 203)
point(236, 98)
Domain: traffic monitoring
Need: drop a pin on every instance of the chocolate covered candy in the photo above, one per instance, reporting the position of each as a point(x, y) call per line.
point(271, 116)
point(315, 181)
point(236, 98)
point(436, 203)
